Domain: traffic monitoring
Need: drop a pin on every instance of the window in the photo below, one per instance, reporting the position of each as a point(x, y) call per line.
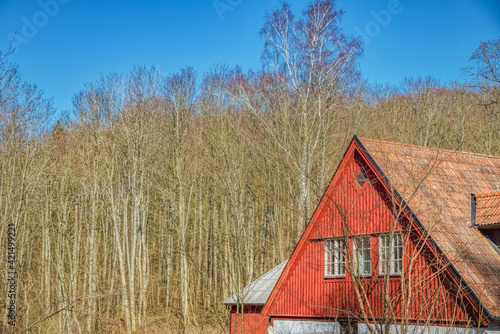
point(391, 254)
point(361, 178)
point(363, 255)
point(335, 258)
point(348, 327)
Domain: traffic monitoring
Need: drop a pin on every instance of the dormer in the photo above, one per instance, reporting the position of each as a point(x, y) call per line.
point(485, 216)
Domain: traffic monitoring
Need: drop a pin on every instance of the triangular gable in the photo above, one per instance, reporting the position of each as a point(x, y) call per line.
point(355, 148)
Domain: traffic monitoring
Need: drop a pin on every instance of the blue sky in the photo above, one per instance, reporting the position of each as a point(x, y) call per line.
point(64, 44)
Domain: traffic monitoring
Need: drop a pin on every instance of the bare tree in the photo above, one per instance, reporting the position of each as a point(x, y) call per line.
point(179, 95)
point(311, 65)
point(484, 73)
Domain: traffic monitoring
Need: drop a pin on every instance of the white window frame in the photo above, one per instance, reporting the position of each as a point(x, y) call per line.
point(335, 258)
point(396, 246)
point(362, 246)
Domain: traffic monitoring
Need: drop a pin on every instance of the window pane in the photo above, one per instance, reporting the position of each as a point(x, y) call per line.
point(384, 253)
point(363, 255)
point(391, 253)
point(398, 253)
point(334, 257)
point(361, 178)
point(366, 268)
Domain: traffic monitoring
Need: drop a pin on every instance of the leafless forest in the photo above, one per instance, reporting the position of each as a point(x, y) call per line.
point(160, 196)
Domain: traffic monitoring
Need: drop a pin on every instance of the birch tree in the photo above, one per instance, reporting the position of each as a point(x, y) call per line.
point(312, 65)
point(179, 96)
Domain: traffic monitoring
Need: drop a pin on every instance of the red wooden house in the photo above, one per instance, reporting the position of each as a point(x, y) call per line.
point(405, 239)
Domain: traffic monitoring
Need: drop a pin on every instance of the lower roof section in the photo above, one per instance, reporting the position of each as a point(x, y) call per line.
point(259, 291)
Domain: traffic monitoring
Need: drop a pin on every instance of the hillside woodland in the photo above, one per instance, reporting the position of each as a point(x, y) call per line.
point(157, 197)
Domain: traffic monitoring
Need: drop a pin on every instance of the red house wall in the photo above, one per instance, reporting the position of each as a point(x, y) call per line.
point(250, 321)
point(304, 293)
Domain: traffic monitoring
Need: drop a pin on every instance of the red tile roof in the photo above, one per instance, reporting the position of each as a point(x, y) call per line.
point(487, 210)
point(437, 185)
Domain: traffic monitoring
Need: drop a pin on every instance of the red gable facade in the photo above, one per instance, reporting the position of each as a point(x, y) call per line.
point(391, 247)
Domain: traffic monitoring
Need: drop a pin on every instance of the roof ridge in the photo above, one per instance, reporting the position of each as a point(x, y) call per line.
point(445, 150)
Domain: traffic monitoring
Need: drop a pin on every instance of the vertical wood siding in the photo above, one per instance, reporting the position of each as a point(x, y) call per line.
point(251, 319)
